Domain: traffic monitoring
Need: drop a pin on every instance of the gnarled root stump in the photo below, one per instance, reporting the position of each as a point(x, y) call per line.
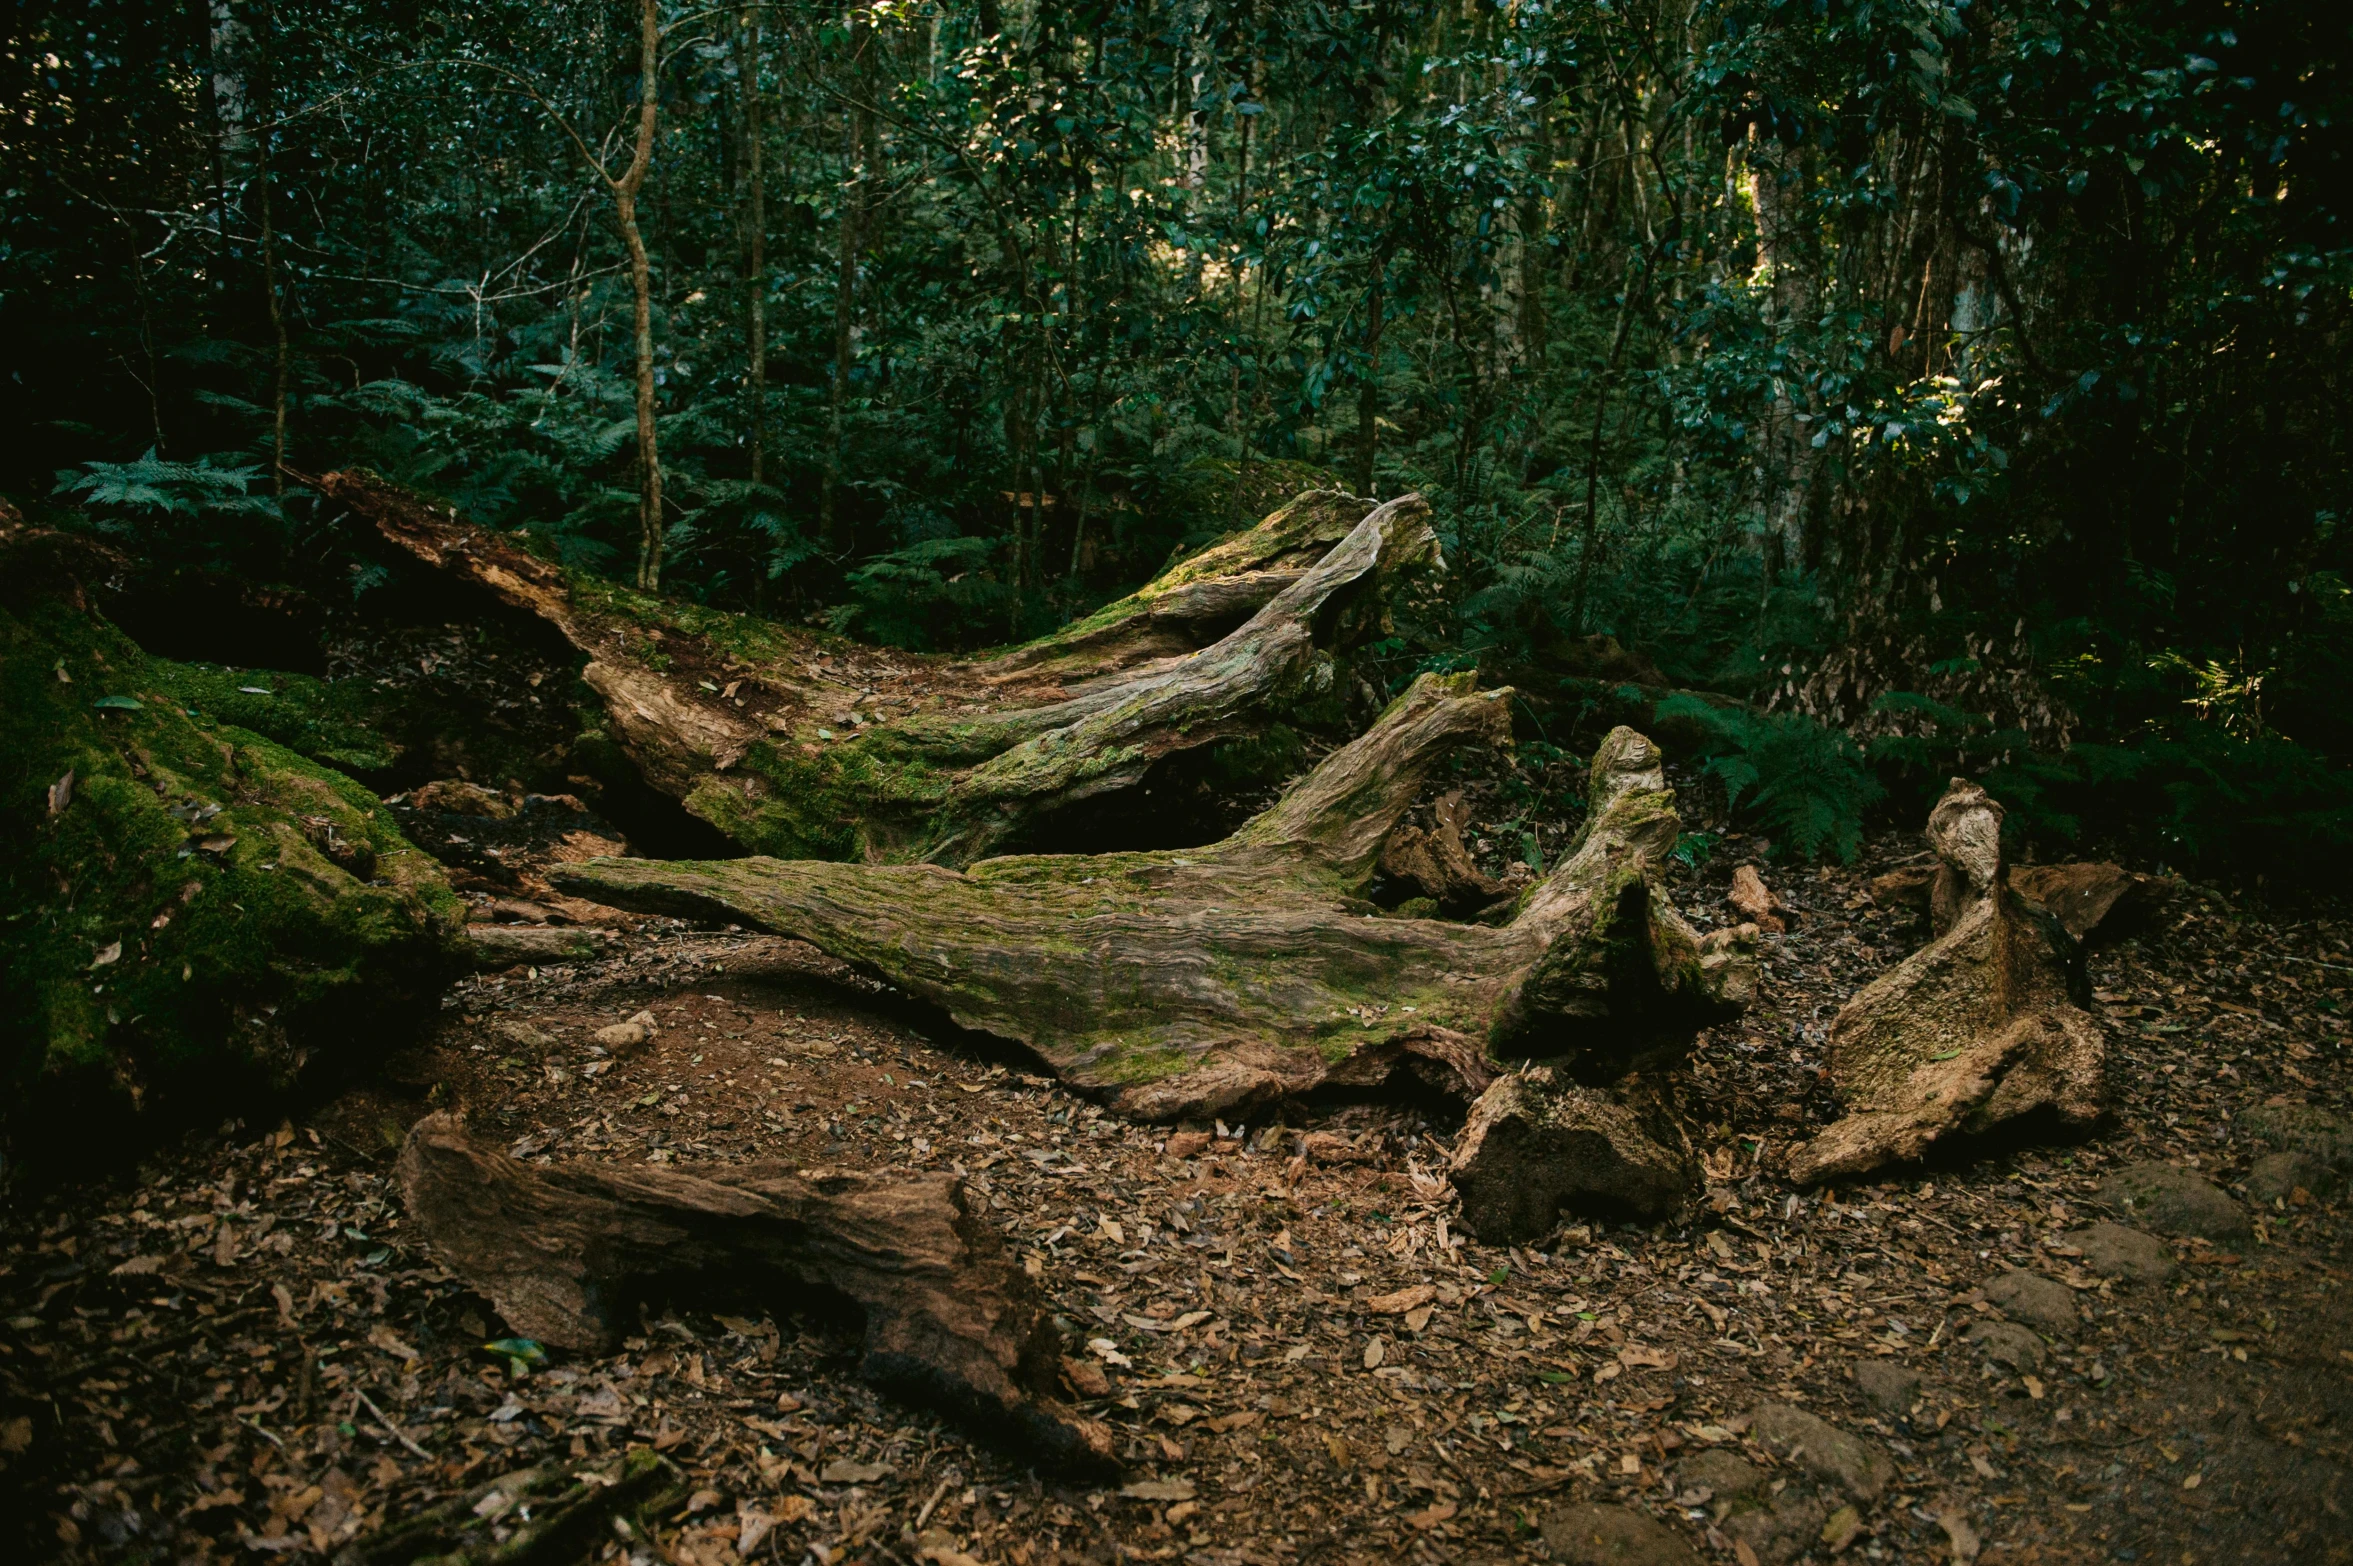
point(1539, 1141)
point(1200, 981)
point(809, 746)
point(566, 1253)
point(1981, 1026)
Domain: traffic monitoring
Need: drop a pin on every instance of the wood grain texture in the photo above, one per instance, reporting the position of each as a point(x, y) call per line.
point(1194, 982)
point(810, 746)
point(567, 1253)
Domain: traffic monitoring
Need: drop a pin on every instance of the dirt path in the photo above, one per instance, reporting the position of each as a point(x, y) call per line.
point(239, 1351)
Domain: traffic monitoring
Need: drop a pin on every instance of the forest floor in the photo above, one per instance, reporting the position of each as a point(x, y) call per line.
point(241, 1351)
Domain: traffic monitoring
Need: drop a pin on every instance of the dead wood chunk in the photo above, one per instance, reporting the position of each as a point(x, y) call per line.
point(1982, 1026)
point(1328, 1147)
point(513, 945)
point(1603, 1535)
point(2095, 900)
point(1538, 1143)
point(567, 1253)
point(1187, 1144)
point(800, 747)
point(1906, 888)
point(1436, 861)
point(1758, 903)
point(1182, 984)
point(541, 1516)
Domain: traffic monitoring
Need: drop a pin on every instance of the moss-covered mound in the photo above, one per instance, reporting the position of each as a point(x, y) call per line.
point(188, 912)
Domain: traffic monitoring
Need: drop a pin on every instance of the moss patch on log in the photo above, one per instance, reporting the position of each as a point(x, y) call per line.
point(190, 908)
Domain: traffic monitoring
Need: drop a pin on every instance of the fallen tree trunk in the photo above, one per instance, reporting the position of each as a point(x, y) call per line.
point(568, 1253)
point(1195, 982)
point(810, 746)
point(1984, 1025)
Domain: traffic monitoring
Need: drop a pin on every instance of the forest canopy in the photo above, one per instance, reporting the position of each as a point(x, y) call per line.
point(1866, 390)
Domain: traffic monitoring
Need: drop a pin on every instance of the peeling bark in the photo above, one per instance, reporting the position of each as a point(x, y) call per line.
point(809, 746)
point(1982, 1026)
point(566, 1254)
point(1200, 981)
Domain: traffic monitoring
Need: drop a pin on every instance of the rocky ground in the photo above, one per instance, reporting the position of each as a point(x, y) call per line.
point(2027, 1353)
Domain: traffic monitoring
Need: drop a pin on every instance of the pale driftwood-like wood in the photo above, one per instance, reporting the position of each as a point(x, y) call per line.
point(809, 746)
point(1984, 1025)
point(567, 1254)
point(1194, 982)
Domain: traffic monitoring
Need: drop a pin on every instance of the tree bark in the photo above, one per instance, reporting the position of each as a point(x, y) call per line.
point(567, 1253)
point(625, 193)
point(809, 747)
point(755, 242)
point(1983, 1026)
point(1192, 982)
point(858, 153)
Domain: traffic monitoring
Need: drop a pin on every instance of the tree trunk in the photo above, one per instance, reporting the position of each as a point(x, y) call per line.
point(1368, 386)
point(812, 748)
point(858, 153)
point(755, 242)
point(567, 1254)
point(1187, 983)
point(625, 193)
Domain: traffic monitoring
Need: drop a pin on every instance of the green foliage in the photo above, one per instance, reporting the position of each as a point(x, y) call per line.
point(1799, 781)
point(938, 593)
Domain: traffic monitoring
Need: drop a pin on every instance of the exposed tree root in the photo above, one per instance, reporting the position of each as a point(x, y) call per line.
point(1982, 1025)
point(567, 1253)
point(809, 746)
point(1188, 983)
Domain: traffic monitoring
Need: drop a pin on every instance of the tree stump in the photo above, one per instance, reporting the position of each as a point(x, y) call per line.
point(811, 746)
point(1983, 1026)
point(1186, 983)
point(568, 1253)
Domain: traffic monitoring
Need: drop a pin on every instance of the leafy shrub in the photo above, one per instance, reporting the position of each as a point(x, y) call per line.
point(176, 509)
point(1803, 783)
point(932, 594)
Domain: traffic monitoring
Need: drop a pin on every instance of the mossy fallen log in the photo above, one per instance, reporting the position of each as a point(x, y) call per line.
point(1199, 981)
point(190, 911)
point(802, 745)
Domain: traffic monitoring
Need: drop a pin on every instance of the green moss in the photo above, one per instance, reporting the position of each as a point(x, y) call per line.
point(207, 909)
point(342, 723)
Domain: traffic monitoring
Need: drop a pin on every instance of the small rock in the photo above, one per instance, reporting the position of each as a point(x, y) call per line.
point(2300, 1128)
point(522, 1035)
point(1777, 1527)
point(2007, 1343)
point(2175, 1201)
point(1614, 1536)
point(626, 1035)
point(2113, 1251)
point(2278, 1176)
point(2036, 1300)
point(1824, 1450)
point(1886, 1385)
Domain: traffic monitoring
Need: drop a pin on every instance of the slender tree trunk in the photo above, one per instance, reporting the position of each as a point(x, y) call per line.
point(858, 130)
point(755, 243)
point(281, 357)
point(1368, 385)
point(625, 193)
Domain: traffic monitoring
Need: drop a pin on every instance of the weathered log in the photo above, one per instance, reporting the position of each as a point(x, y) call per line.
point(1984, 1025)
point(810, 746)
point(568, 1253)
point(513, 945)
point(1200, 981)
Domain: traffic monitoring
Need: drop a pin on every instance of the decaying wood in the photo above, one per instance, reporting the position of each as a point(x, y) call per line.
point(2096, 901)
point(514, 945)
point(567, 1253)
point(809, 746)
point(1435, 861)
point(1194, 982)
point(1982, 1026)
point(1758, 903)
